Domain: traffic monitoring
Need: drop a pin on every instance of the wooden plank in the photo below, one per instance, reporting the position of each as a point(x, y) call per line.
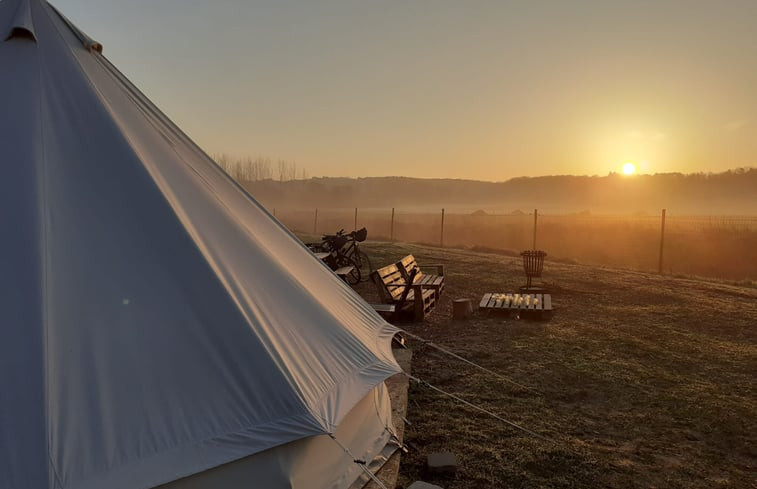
point(344, 271)
point(394, 279)
point(498, 302)
point(539, 302)
point(508, 300)
point(389, 308)
point(547, 302)
point(424, 279)
point(419, 306)
point(396, 293)
point(409, 262)
point(485, 300)
point(388, 270)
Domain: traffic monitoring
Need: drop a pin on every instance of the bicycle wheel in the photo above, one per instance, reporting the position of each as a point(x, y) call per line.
point(364, 264)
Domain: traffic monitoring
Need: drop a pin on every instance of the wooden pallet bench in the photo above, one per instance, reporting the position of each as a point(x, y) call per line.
point(426, 280)
point(538, 304)
point(401, 295)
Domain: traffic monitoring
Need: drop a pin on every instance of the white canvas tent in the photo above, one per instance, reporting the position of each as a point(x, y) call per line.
point(158, 326)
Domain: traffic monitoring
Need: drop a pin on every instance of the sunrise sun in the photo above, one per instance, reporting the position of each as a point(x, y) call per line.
point(629, 168)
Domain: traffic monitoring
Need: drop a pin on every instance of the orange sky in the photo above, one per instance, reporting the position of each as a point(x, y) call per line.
point(443, 88)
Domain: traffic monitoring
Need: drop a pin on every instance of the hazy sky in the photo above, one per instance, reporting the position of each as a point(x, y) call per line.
point(434, 88)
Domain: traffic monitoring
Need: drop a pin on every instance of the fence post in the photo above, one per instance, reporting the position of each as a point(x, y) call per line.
point(441, 238)
point(662, 240)
point(355, 218)
point(536, 216)
point(315, 222)
point(391, 228)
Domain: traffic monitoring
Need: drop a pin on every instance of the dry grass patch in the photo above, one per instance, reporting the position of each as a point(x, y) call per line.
point(641, 380)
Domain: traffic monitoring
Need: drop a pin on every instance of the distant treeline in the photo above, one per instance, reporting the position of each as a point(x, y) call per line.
point(730, 192)
point(260, 168)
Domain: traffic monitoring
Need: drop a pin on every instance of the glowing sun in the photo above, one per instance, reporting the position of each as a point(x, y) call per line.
point(629, 168)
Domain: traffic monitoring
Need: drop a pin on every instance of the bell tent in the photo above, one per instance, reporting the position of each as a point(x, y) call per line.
point(158, 328)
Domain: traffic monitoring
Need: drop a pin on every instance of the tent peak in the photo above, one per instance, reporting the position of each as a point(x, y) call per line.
point(89, 44)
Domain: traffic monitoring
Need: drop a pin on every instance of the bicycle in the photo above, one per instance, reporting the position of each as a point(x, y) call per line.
point(346, 252)
point(359, 256)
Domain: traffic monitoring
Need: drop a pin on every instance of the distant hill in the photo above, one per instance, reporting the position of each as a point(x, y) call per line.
point(730, 192)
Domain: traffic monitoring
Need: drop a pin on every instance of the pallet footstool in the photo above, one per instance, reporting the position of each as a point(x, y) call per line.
point(530, 304)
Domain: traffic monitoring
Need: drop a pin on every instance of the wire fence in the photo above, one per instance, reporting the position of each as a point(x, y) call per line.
point(713, 246)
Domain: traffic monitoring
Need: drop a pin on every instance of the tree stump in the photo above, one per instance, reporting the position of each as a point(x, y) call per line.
point(462, 309)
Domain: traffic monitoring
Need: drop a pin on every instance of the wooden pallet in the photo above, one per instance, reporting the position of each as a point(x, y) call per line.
point(520, 303)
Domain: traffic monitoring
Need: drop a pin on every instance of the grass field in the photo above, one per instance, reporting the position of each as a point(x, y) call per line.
point(639, 380)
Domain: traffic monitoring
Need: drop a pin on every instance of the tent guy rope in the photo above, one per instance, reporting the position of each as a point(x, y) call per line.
point(465, 360)
point(476, 407)
point(359, 462)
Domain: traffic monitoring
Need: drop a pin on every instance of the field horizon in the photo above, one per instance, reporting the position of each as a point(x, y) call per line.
point(725, 193)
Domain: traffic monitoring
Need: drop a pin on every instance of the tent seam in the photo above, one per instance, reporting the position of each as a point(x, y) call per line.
point(45, 280)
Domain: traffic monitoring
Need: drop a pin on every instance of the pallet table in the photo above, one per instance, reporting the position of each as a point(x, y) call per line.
point(538, 304)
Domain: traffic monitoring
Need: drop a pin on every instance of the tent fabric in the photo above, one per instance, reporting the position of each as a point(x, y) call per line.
point(291, 465)
point(156, 321)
